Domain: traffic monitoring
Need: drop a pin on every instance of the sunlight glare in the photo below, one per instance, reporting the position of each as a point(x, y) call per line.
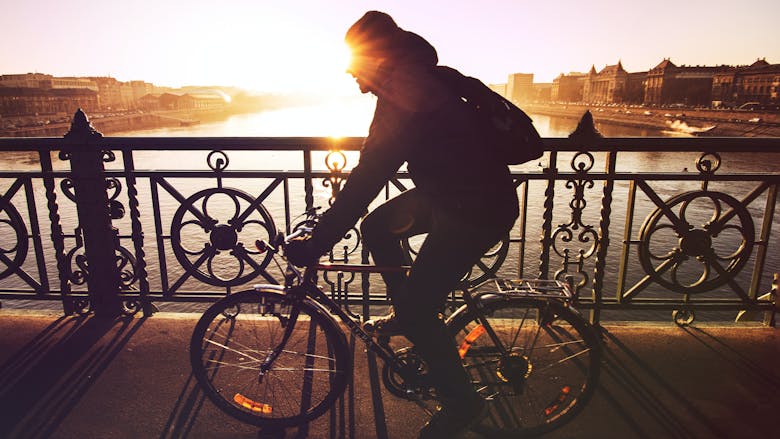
point(226, 97)
point(296, 62)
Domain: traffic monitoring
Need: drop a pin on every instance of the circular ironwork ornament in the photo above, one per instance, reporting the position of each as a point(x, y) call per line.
point(13, 244)
point(213, 234)
point(691, 258)
point(485, 268)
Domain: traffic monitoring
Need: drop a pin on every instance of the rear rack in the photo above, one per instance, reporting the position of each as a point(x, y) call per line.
point(542, 288)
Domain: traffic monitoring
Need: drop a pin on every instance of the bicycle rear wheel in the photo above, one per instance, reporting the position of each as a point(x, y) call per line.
point(550, 370)
point(236, 335)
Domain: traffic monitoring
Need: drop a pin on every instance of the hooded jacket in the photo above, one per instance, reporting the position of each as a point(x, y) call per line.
point(418, 121)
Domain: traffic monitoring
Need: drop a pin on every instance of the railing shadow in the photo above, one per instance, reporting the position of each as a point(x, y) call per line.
point(185, 411)
point(764, 380)
point(685, 397)
point(43, 382)
point(376, 396)
point(644, 393)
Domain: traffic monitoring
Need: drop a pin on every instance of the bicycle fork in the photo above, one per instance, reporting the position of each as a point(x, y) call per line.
point(289, 325)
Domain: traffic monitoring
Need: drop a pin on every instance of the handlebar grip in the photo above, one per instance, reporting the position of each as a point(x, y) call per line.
point(278, 241)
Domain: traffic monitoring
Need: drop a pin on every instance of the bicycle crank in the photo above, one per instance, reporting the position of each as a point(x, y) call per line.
point(408, 377)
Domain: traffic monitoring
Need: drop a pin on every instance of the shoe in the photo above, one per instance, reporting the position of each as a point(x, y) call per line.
point(455, 418)
point(387, 325)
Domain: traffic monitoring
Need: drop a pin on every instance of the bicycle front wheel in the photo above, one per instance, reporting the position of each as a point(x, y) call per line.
point(231, 350)
point(547, 373)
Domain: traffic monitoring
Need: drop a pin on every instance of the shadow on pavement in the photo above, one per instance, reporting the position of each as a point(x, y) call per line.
point(46, 378)
point(694, 390)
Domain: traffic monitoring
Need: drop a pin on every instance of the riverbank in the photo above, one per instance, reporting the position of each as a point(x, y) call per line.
point(694, 121)
point(115, 123)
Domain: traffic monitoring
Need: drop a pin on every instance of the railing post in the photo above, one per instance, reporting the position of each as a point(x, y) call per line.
point(549, 197)
point(603, 245)
point(775, 295)
point(100, 237)
point(57, 236)
point(308, 186)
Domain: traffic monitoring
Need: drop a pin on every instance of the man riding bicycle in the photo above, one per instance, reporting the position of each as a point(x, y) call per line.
point(464, 199)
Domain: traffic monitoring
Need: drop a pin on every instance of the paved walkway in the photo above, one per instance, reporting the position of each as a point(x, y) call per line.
point(76, 377)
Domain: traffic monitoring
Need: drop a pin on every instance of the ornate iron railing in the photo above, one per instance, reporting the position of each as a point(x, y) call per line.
point(677, 224)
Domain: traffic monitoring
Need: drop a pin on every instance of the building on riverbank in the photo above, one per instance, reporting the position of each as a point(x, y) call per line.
point(613, 85)
point(568, 88)
point(18, 101)
point(758, 82)
point(520, 87)
point(668, 84)
point(186, 101)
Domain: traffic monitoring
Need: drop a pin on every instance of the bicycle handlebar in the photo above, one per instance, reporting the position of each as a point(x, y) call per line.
point(280, 240)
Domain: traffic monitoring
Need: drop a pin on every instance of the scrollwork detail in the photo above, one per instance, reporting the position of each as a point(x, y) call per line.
point(217, 160)
point(108, 156)
point(335, 161)
point(585, 234)
point(708, 163)
point(68, 188)
point(78, 264)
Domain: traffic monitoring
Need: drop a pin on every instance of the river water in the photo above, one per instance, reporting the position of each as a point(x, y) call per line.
point(347, 119)
point(335, 119)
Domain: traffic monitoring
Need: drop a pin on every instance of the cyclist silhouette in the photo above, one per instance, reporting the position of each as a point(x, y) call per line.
point(463, 198)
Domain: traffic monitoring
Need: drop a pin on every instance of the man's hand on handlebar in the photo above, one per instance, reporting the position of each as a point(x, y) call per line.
point(301, 252)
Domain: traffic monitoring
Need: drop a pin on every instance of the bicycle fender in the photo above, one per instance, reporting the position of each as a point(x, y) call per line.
point(482, 298)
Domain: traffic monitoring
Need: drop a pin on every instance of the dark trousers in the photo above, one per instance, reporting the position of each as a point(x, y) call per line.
point(448, 252)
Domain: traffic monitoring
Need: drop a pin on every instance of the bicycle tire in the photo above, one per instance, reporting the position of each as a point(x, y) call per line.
point(551, 372)
point(235, 335)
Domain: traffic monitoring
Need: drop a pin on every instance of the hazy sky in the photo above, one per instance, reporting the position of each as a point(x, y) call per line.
point(288, 45)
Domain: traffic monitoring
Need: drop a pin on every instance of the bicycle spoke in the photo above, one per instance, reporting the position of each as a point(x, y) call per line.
point(562, 345)
point(542, 314)
point(563, 360)
point(216, 364)
point(519, 329)
point(228, 348)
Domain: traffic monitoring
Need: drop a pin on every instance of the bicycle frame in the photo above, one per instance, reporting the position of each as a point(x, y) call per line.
point(306, 289)
point(301, 287)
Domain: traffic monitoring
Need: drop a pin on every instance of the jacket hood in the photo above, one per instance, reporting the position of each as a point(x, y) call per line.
point(376, 34)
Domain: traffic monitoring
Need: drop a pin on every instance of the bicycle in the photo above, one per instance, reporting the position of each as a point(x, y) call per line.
point(275, 356)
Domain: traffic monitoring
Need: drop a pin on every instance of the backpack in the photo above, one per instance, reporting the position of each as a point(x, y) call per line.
point(505, 126)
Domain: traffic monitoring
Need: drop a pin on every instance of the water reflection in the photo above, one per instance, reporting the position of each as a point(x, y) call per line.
point(549, 126)
point(335, 118)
